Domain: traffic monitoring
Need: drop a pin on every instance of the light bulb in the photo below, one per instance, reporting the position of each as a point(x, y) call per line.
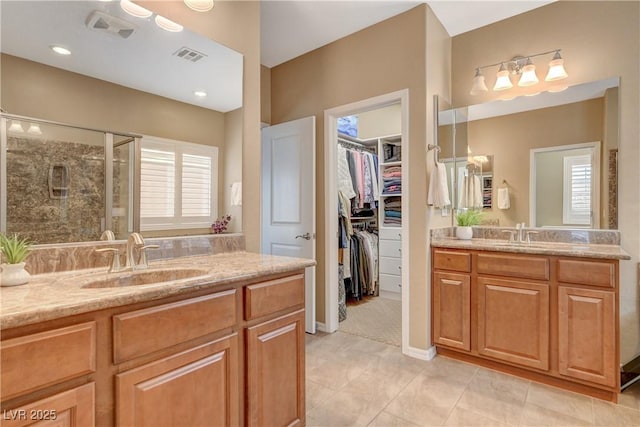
point(556, 69)
point(528, 77)
point(199, 5)
point(60, 50)
point(16, 126)
point(34, 129)
point(167, 24)
point(134, 9)
point(502, 81)
point(479, 85)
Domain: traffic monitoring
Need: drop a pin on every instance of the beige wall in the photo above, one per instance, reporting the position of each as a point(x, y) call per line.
point(233, 171)
point(235, 24)
point(360, 66)
point(380, 122)
point(598, 39)
point(510, 139)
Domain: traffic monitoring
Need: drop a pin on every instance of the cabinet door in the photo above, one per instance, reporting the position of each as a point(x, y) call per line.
point(275, 372)
point(586, 338)
point(452, 310)
point(72, 408)
point(513, 321)
point(198, 387)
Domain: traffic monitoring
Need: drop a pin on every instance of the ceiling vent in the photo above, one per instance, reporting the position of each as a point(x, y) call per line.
point(189, 54)
point(107, 24)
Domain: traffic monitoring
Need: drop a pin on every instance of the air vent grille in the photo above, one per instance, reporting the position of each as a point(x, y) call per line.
point(189, 54)
point(107, 24)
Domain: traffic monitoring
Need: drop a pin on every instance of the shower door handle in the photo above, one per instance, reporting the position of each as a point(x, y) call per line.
point(306, 236)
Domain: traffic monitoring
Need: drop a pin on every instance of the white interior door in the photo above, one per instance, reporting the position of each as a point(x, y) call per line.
point(288, 198)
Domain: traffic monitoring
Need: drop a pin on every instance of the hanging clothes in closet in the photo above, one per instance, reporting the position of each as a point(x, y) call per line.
point(358, 196)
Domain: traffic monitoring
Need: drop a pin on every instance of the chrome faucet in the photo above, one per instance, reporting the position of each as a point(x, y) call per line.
point(136, 255)
point(115, 259)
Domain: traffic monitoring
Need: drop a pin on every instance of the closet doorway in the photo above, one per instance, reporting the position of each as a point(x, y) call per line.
point(365, 175)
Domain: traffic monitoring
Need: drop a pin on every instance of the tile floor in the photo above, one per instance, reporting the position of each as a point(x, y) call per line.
point(354, 381)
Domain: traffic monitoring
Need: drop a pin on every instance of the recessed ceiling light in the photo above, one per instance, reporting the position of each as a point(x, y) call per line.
point(135, 10)
point(60, 50)
point(167, 24)
point(199, 5)
point(200, 93)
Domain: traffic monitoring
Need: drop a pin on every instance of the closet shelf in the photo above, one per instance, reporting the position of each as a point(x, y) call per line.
point(399, 163)
point(353, 218)
point(391, 195)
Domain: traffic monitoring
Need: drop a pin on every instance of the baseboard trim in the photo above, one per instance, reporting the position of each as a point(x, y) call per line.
point(419, 353)
point(321, 327)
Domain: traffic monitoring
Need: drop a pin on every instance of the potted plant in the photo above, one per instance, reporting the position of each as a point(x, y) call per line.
point(467, 219)
point(14, 250)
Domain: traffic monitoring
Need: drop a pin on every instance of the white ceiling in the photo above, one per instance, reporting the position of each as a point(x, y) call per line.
point(292, 28)
point(144, 61)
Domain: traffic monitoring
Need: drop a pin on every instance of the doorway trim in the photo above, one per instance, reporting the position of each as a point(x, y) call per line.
point(331, 203)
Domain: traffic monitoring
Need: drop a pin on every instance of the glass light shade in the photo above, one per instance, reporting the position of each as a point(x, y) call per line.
point(167, 24)
point(556, 69)
point(34, 129)
point(134, 9)
point(16, 126)
point(199, 5)
point(502, 81)
point(479, 85)
point(528, 77)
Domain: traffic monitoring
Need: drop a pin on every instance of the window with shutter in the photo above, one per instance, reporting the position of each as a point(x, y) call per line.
point(178, 184)
point(577, 190)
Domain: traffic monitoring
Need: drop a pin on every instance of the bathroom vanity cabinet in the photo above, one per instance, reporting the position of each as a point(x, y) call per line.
point(548, 318)
point(227, 356)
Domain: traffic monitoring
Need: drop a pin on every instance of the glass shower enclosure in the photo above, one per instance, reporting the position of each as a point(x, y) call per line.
point(62, 183)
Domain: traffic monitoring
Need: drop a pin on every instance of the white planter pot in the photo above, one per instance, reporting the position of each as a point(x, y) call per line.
point(464, 233)
point(13, 274)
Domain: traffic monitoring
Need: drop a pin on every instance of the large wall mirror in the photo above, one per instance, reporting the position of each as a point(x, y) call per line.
point(548, 160)
point(71, 123)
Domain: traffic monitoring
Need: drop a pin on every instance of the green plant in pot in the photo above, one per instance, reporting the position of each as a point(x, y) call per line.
point(14, 250)
point(466, 220)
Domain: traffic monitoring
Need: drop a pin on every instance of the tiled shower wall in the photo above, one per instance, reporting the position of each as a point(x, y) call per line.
point(31, 211)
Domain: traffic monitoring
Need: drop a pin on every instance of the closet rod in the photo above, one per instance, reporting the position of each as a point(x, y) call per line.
point(356, 145)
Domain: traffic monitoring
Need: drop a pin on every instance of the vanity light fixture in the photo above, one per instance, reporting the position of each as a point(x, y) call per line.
point(60, 50)
point(521, 66)
point(16, 127)
point(134, 9)
point(167, 24)
point(200, 93)
point(34, 129)
point(199, 5)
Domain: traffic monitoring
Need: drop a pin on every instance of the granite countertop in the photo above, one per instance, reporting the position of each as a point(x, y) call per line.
point(584, 250)
point(56, 295)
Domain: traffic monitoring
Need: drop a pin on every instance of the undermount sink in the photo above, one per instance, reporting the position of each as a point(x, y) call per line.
point(144, 277)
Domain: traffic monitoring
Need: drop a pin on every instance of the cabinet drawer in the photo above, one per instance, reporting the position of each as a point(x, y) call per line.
point(390, 283)
point(390, 265)
point(75, 407)
point(151, 329)
point(390, 234)
point(526, 267)
point(35, 361)
point(391, 248)
point(269, 297)
point(591, 273)
point(450, 260)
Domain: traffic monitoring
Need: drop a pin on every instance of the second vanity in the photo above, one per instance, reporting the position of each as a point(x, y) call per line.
point(222, 348)
point(543, 311)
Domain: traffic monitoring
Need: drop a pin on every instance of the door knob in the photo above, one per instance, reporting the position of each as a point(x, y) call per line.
point(306, 236)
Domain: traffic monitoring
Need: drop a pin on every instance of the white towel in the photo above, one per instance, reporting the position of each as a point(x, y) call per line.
point(236, 194)
point(477, 192)
point(503, 198)
point(438, 189)
point(470, 192)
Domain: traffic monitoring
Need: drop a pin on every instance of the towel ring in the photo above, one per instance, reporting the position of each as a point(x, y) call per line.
point(435, 155)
